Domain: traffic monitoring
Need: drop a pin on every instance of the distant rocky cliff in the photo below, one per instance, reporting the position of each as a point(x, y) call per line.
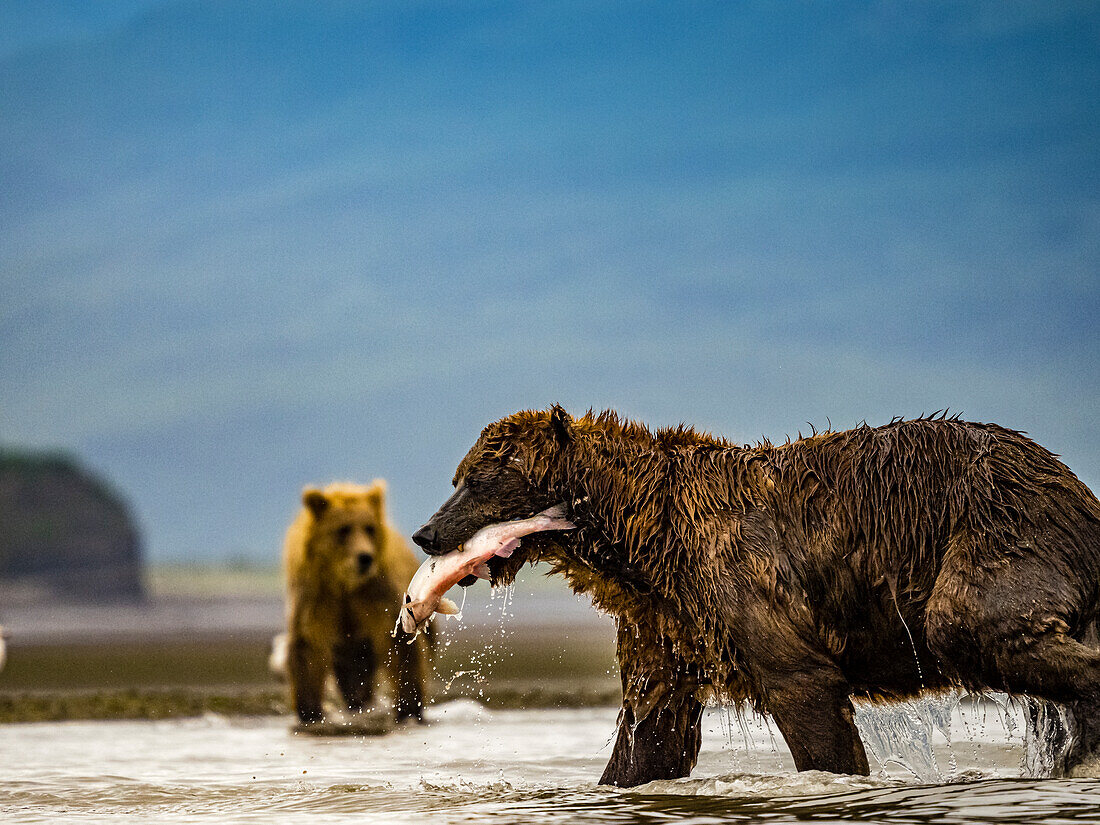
point(64, 533)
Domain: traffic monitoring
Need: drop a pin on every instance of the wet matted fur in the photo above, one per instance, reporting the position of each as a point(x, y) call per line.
point(876, 562)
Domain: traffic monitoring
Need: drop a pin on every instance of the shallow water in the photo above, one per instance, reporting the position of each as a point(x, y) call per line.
point(473, 765)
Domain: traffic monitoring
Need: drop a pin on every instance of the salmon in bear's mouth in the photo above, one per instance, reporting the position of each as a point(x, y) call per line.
point(438, 574)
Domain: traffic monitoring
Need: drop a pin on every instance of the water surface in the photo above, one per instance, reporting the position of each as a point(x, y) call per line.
point(479, 766)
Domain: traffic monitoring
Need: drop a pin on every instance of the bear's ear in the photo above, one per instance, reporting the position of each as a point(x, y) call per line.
point(315, 501)
point(562, 425)
point(376, 491)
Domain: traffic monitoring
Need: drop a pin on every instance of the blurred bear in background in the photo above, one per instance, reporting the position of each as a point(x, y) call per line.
point(346, 568)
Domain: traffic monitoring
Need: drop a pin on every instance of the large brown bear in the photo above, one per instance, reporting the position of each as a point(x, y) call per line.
point(346, 569)
point(876, 562)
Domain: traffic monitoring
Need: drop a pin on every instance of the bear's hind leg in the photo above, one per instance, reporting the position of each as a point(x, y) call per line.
point(1059, 669)
point(354, 664)
point(1013, 632)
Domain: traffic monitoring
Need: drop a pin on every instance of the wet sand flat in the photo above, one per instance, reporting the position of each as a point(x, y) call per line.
point(185, 653)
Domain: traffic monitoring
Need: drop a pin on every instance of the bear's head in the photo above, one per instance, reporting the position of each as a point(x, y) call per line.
point(504, 477)
point(347, 535)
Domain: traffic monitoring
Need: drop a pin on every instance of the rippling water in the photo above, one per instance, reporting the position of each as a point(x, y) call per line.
point(474, 765)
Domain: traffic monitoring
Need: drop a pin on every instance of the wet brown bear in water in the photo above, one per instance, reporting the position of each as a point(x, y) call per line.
point(876, 562)
point(346, 568)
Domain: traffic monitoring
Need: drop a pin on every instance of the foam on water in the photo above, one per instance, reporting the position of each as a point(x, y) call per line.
point(757, 786)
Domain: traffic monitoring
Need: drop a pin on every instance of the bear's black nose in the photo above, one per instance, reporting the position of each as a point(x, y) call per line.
point(427, 538)
point(364, 560)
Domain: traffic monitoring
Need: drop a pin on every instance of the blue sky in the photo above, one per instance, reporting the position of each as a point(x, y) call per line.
point(250, 246)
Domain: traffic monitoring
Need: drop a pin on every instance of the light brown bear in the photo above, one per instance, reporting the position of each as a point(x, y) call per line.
point(346, 569)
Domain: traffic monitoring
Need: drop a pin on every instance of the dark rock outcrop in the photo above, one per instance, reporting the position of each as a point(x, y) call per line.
point(64, 532)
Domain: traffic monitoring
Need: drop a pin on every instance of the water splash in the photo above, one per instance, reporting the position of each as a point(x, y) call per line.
point(475, 675)
point(904, 734)
point(748, 733)
point(742, 722)
point(939, 710)
point(901, 734)
point(1045, 737)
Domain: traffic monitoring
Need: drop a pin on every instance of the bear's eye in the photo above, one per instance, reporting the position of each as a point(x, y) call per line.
point(369, 529)
point(343, 531)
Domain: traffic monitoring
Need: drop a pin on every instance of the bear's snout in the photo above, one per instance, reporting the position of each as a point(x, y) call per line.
point(427, 537)
point(364, 561)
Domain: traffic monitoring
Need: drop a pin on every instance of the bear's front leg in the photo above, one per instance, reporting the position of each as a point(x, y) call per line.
point(663, 745)
point(354, 664)
point(409, 675)
point(813, 710)
point(307, 667)
point(659, 726)
point(804, 690)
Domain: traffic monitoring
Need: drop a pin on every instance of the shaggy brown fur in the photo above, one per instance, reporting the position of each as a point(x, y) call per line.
point(346, 568)
point(876, 562)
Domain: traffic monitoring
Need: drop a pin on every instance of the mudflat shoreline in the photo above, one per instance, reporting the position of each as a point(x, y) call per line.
point(174, 676)
point(186, 654)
